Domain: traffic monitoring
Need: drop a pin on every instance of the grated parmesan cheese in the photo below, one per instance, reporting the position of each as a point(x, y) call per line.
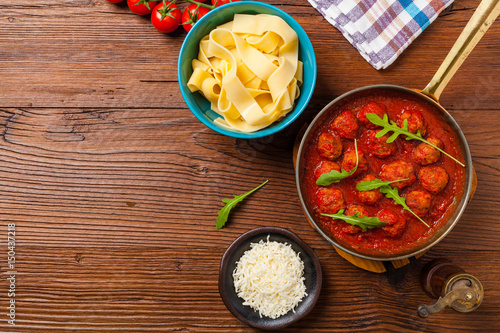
point(269, 278)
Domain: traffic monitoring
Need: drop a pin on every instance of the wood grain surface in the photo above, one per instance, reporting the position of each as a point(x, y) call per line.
point(114, 186)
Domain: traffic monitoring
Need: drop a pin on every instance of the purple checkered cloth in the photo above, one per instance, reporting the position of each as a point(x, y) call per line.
point(380, 30)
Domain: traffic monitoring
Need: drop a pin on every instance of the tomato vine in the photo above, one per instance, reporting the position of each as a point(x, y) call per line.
point(166, 16)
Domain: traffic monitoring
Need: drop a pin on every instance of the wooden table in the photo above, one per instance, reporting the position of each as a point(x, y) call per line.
point(114, 186)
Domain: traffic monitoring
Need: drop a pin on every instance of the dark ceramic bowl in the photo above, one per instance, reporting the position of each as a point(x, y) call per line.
point(312, 274)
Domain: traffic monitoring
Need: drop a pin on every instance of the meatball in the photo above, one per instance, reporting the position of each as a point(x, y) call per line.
point(356, 208)
point(397, 170)
point(349, 162)
point(396, 224)
point(433, 178)
point(419, 201)
point(371, 107)
point(425, 154)
point(369, 197)
point(346, 125)
point(326, 167)
point(351, 210)
point(329, 200)
point(416, 121)
point(379, 146)
point(329, 146)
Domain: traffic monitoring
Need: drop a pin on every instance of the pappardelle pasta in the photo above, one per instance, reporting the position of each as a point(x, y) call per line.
point(249, 71)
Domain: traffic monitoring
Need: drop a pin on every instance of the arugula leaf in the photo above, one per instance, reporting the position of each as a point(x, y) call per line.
point(368, 185)
point(335, 176)
point(392, 193)
point(364, 222)
point(393, 127)
point(223, 214)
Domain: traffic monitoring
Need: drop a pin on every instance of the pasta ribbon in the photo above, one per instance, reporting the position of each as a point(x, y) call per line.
point(249, 71)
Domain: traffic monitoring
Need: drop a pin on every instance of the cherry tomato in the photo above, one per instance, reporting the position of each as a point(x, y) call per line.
point(219, 3)
point(166, 17)
point(141, 7)
point(114, 1)
point(192, 14)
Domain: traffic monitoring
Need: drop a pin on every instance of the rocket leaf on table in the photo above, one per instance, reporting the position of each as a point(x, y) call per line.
point(335, 176)
point(223, 214)
point(364, 222)
point(393, 127)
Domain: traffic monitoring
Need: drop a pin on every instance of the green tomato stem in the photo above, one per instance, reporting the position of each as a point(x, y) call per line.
point(200, 4)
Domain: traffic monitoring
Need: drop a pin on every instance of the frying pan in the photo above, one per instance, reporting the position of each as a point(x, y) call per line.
point(484, 16)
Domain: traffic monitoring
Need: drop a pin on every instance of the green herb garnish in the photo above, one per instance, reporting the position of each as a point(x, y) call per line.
point(392, 193)
point(393, 127)
point(368, 185)
point(335, 176)
point(364, 222)
point(230, 204)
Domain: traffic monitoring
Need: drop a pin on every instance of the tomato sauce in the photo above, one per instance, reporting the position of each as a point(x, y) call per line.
point(377, 241)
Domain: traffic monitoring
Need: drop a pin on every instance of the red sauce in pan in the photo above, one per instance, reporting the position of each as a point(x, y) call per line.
point(438, 203)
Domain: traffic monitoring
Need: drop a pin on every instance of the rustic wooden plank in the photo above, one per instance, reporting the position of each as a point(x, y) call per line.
point(73, 174)
point(160, 288)
point(85, 200)
point(56, 58)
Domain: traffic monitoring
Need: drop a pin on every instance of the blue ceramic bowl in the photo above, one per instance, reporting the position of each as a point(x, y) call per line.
point(189, 51)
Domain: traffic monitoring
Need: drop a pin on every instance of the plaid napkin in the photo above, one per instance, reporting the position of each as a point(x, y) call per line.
point(380, 29)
